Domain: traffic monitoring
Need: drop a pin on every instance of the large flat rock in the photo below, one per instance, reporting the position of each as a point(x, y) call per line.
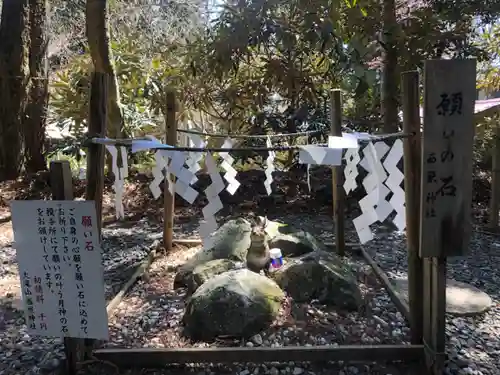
point(461, 299)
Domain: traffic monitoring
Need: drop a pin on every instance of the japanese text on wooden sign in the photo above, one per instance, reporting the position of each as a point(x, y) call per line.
point(60, 265)
point(448, 135)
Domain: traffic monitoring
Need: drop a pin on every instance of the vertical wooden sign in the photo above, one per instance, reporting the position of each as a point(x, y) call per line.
point(448, 135)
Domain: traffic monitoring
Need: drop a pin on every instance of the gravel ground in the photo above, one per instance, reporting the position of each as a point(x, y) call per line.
point(155, 310)
point(149, 315)
point(473, 342)
point(20, 353)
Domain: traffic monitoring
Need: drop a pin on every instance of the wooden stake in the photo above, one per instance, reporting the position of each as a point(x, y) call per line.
point(495, 182)
point(412, 173)
point(338, 174)
point(169, 199)
point(95, 152)
point(95, 156)
point(393, 293)
point(140, 271)
point(61, 184)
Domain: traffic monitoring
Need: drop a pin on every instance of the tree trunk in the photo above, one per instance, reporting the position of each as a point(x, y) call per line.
point(36, 110)
point(97, 27)
point(390, 77)
point(14, 71)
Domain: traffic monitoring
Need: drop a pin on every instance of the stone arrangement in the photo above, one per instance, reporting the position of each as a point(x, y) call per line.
point(227, 299)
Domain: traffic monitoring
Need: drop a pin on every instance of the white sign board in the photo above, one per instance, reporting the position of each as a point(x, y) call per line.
point(60, 266)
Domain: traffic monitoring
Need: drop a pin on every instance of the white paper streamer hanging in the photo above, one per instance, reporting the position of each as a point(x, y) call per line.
point(194, 158)
point(393, 182)
point(374, 206)
point(318, 155)
point(214, 203)
point(372, 164)
point(351, 169)
point(269, 167)
point(227, 165)
point(347, 141)
point(120, 173)
point(184, 175)
point(160, 163)
point(172, 164)
point(158, 177)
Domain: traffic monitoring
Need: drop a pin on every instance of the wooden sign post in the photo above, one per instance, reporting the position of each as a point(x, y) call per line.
point(446, 193)
point(449, 96)
point(60, 263)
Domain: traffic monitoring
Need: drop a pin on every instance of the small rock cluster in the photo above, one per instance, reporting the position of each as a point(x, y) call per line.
point(230, 300)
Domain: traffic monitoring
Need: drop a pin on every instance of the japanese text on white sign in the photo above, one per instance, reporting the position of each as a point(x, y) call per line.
point(60, 265)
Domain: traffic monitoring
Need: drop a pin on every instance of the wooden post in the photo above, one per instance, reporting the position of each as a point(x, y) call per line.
point(96, 152)
point(495, 182)
point(338, 173)
point(412, 173)
point(61, 184)
point(169, 199)
point(446, 192)
point(95, 156)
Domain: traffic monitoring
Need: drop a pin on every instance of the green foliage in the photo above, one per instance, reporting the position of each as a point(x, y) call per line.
point(261, 67)
point(489, 40)
point(142, 80)
point(70, 95)
point(290, 50)
point(484, 142)
point(76, 160)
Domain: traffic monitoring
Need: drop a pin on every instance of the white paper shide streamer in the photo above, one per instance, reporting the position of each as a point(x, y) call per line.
point(317, 155)
point(394, 181)
point(183, 175)
point(331, 155)
point(160, 163)
point(194, 158)
point(373, 206)
point(352, 159)
point(227, 165)
point(157, 171)
point(214, 203)
point(372, 164)
point(269, 167)
point(120, 173)
point(170, 164)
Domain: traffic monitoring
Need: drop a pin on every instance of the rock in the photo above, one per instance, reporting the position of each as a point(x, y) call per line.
point(205, 271)
point(295, 243)
point(461, 299)
point(257, 339)
point(237, 303)
point(231, 241)
point(322, 276)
